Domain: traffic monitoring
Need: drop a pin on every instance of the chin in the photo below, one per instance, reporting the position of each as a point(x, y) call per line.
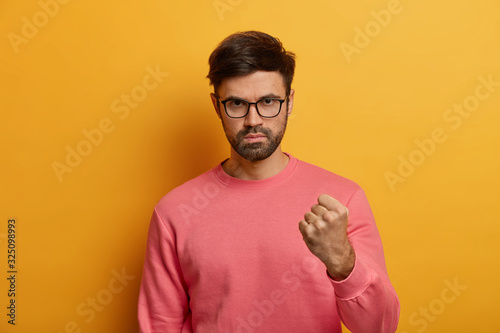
point(255, 154)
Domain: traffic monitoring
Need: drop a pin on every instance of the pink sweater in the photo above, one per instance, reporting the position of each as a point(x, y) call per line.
point(226, 255)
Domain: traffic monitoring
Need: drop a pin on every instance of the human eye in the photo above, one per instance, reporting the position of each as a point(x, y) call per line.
point(236, 103)
point(268, 101)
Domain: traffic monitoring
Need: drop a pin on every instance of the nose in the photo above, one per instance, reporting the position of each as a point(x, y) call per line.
point(253, 118)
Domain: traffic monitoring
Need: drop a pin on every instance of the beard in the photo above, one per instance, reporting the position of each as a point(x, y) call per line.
point(256, 151)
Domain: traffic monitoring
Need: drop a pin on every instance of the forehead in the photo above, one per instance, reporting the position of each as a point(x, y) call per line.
point(253, 86)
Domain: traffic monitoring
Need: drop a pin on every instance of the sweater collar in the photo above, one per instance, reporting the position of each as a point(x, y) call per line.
point(230, 181)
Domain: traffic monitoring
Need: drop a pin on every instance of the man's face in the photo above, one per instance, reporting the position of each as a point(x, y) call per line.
point(254, 138)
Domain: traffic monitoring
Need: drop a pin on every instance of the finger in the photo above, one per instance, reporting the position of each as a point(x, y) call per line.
point(331, 217)
point(318, 210)
point(328, 202)
point(310, 217)
point(303, 226)
point(332, 205)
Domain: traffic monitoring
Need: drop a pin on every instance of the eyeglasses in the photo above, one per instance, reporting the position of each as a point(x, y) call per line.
point(239, 108)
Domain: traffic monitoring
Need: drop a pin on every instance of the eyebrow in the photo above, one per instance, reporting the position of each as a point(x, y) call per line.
point(261, 97)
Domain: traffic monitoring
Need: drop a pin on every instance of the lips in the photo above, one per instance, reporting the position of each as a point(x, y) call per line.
point(255, 137)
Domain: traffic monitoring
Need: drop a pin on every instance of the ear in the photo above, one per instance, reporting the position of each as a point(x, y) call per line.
point(215, 102)
point(290, 102)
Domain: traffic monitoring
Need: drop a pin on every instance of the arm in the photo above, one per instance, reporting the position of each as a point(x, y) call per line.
point(353, 255)
point(163, 302)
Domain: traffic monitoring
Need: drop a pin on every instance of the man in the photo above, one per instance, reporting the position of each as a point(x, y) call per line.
point(263, 242)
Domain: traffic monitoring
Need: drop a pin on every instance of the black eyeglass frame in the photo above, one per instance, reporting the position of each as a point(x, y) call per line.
point(250, 104)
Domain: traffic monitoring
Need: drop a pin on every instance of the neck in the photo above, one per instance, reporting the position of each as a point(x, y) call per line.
point(238, 167)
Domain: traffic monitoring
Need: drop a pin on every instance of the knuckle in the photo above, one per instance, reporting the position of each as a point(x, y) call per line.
point(322, 227)
point(329, 217)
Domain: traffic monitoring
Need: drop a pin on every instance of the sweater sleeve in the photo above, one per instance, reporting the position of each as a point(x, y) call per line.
point(367, 302)
point(163, 304)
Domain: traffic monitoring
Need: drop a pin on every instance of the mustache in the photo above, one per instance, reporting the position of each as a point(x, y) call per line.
point(254, 130)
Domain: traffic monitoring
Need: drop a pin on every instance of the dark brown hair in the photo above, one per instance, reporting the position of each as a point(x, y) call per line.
point(243, 53)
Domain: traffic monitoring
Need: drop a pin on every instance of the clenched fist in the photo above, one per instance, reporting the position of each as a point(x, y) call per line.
point(324, 230)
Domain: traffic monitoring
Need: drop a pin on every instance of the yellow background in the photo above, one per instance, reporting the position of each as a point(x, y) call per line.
point(356, 115)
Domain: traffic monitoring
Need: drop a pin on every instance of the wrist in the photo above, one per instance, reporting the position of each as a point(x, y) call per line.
point(340, 270)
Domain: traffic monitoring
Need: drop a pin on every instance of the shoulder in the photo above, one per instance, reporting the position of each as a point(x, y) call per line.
point(317, 180)
point(318, 174)
point(202, 185)
point(314, 180)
